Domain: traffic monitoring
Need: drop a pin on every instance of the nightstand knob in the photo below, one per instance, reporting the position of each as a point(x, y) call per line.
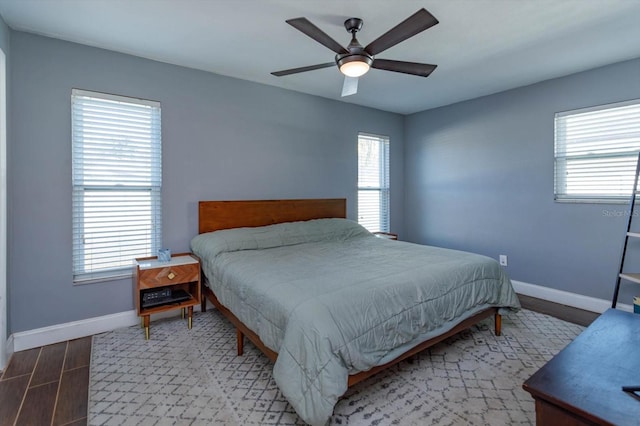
point(171, 275)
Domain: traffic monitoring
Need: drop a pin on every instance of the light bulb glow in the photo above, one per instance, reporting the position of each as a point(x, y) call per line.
point(354, 68)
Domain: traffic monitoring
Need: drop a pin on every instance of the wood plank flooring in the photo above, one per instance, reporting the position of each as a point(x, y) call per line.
point(47, 385)
point(50, 385)
point(563, 312)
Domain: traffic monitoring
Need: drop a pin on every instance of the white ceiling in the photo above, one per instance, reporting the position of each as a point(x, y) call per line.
point(480, 46)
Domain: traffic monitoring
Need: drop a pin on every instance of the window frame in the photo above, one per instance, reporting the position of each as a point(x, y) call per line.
point(81, 189)
point(384, 187)
point(626, 154)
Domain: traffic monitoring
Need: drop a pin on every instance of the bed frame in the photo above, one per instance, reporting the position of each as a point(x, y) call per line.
point(217, 215)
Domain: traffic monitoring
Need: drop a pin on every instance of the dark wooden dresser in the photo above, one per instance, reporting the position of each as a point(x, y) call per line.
point(582, 385)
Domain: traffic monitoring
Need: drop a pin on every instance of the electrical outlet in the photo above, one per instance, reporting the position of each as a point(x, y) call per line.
point(503, 259)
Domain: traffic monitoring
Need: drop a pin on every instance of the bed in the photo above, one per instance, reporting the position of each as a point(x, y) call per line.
point(330, 303)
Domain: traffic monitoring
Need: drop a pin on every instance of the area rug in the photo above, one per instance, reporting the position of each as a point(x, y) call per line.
point(193, 377)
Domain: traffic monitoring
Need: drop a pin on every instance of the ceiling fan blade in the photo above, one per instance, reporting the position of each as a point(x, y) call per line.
point(303, 69)
point(350, 86)
point(413, 68)
point(305, 26)
point(414, 24)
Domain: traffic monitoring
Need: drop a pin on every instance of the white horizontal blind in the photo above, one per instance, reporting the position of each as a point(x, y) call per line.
point(117, 183)
point(373, 182)
point(596, 150)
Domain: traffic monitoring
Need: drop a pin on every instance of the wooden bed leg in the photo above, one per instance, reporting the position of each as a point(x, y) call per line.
point(203, 299)
point(240, 342)
point(498, 320)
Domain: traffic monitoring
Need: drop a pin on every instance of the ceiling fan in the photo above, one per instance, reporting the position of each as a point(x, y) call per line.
point(355, 60)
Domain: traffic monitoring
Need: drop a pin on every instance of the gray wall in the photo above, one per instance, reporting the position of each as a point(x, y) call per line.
point(479, 177)
point(4, 36)
point(222, 139)
point(4, 331)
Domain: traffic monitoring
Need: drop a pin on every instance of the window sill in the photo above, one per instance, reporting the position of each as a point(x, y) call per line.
point(592, 201)
point(113, 276)
point(387, 235)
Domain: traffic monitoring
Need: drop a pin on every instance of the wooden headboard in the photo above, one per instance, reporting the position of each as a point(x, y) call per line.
point(216, 215)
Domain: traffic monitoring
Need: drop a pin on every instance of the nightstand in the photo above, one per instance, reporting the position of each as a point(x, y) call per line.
point(164, 286)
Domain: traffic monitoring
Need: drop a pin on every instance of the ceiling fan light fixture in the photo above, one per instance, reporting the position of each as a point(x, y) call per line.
point(354, 65)
point(355, 60)
point(354, 69)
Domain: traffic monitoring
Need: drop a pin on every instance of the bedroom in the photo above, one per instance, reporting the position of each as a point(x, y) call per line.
point(226, 138)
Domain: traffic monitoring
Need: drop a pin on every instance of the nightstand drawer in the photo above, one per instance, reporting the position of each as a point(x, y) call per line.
point(171, 274)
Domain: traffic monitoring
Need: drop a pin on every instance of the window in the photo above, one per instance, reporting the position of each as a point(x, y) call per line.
point(596, 151)
point(117, 182)
point(373, 182)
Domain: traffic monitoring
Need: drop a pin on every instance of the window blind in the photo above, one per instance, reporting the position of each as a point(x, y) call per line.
point(373, 182)
point(117, 183)
point(596, 151)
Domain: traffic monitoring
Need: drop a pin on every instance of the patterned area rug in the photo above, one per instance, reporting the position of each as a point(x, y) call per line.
point(193, 377)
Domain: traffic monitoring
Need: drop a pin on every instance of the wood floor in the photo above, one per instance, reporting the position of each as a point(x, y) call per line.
point(50, 385)
point(47, 385)
point(563, 312)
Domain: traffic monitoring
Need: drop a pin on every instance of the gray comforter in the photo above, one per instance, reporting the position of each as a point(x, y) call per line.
point(332, 299)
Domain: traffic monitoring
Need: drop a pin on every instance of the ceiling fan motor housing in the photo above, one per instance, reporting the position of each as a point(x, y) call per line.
point(354, 56)
point(353, 25)
point(356, 51)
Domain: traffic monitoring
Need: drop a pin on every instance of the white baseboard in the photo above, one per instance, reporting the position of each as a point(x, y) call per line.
point(88, 327)
point(77, 329)
point(9, 349)
point(566, 298)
